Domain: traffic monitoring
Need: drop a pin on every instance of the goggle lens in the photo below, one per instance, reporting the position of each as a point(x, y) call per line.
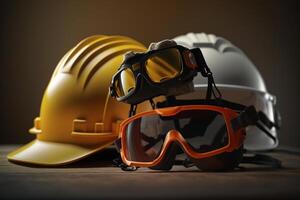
point(203, 130)
point(125, 82)
point(164, 65)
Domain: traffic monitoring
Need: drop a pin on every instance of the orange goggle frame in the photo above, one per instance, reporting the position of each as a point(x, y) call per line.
point(235, 137)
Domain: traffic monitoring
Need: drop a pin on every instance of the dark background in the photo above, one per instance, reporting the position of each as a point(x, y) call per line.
point(36, 34)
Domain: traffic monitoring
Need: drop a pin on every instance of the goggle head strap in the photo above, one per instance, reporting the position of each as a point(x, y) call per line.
point(132, 110)
point(249, 116)
point(205, 72)
point(202, 66)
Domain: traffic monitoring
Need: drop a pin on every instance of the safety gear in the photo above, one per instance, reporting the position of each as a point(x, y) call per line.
point(238, 80)
point(206, 130)
point(161, 70)
point(77, 116)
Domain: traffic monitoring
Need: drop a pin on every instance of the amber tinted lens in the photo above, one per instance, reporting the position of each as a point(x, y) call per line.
point(124, 83)
point(164, 65)
point(203, 130)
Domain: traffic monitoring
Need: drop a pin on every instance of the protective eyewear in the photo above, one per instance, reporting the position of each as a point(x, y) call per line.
point(166, 71)
point(200, 131)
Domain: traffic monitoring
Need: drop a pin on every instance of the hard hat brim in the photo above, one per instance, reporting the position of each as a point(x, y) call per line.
point(47, 153)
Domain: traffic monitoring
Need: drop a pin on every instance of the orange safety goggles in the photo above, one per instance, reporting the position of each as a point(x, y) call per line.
point(200, 131)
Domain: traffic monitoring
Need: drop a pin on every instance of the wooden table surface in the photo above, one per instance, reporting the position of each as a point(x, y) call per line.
point(95, 178)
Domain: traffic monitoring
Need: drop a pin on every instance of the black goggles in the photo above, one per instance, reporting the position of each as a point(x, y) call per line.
point(166, 71)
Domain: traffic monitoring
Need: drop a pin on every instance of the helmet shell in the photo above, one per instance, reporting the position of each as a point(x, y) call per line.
point(237, 78)
point(77, 116)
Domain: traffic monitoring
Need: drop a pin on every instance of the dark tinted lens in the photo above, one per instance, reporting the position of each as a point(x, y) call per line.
point(204, 130)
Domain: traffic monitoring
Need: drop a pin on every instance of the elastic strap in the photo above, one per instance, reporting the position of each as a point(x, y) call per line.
point(132, 110)
point(266, 121)
point(212, 88)
point(214, 102)
point(205, 72)
point(209, 87)
point(202, 66)
point(249, 116)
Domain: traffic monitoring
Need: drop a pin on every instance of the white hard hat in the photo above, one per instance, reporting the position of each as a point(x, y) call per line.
point(238, 80)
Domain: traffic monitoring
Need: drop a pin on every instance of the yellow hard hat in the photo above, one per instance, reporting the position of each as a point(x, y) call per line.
point(78, 116)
